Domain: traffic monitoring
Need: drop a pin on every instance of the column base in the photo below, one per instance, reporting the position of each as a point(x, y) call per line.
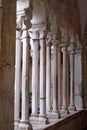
point(60, 107)
point(49, 112)
point(64, 112)
point(16, 124)
point(56, 114)
point(24, 125)
point(43, 119)
point(72, 108)
point(39, 119)
point(34, 118)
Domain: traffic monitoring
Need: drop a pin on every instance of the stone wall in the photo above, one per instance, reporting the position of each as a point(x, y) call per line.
point(7, 63)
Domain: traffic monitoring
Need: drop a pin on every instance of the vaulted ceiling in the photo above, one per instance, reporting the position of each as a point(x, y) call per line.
point(70, 13)
point(64, 12)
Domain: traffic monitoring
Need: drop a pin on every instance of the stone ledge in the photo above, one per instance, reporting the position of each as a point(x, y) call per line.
point(72, 121)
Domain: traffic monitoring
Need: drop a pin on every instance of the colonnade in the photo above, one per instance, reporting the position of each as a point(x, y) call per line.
point(43, 41)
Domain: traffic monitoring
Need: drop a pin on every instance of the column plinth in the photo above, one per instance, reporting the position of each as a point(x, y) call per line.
point(24, 125)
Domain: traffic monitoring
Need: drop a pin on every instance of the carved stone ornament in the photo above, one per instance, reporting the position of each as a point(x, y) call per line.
point(18, 23)
point(55, 39)
point(49, 40)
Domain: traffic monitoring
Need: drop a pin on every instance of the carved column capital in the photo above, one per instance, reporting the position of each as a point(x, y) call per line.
point(23, 19)
point(35, 35)
point(49, 39)
point(42, 34)
point(18, 27)
point(55, 39)
point(64, 46)
point(18, 34)
point(18, 23)
point(43, 30)
point(59, 48)
point(26, 24)
point(72, 48)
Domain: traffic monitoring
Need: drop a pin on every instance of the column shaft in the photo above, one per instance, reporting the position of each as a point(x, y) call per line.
point(25, 77)
point(65, 56)
point(55, 79)
point(48, 78)
point(43, 78)
point(17, 76)
point(35, 82)
point(72, 100)
point(59, 79)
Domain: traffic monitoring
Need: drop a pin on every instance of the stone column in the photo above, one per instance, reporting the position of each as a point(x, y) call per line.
point(59, 79)
point(17, 78)
point(35, 78)
point(72, 58)
point(48, 74)
point(42, 115)
point(55, 76)
point(24, 122)
point(65, 61)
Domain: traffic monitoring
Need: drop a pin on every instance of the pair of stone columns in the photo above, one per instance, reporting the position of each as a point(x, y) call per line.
point(65, 76)
point(24, 122)
point(56, 75)
point(25, 40)
point(39, 38)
